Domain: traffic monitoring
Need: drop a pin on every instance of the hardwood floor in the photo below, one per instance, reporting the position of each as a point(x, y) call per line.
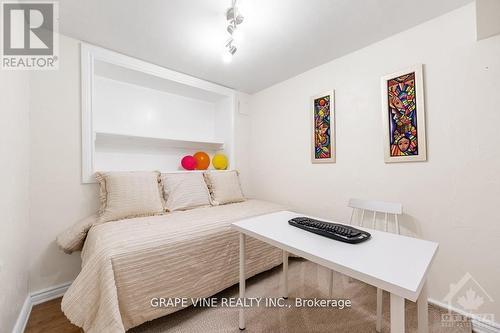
point(48, 317)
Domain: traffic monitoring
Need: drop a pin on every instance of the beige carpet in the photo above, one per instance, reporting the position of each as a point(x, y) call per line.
point(306, 280)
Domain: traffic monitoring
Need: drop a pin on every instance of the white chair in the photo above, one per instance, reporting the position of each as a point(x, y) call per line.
point(375, 208)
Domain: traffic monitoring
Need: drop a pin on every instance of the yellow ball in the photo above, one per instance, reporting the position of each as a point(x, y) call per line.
point(220, 162)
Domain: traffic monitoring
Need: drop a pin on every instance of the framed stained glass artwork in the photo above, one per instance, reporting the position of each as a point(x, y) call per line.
point(403, 116)
point(323, 128)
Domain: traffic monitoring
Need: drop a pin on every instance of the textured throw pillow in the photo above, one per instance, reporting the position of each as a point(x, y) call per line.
point(185, 191)
point(224, 187)
point(130, 194)
point(72, 239)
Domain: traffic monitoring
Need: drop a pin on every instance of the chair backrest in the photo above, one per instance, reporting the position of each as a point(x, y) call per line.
point(386, 208)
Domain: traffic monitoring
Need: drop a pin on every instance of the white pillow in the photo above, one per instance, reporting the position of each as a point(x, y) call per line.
point(224, 187)
point(130, 194)
point(185, 191)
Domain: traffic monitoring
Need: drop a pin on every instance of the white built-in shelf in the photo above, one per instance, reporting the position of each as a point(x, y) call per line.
point(145, 142)
point(115, 140)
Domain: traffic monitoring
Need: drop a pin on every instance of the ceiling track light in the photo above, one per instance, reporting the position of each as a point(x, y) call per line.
point(234, 18)
point(230, 47)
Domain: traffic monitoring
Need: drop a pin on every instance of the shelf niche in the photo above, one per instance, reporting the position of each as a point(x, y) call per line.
point(139, 116)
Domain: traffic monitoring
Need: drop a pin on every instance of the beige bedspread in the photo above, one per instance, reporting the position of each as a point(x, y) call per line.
point(182, 254)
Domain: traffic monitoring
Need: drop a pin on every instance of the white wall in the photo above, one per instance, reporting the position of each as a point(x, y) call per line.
point(14, 195)
point(58, 199)
point(487, 18)
point(121, 107)
point(242, 139)
point(451, 198)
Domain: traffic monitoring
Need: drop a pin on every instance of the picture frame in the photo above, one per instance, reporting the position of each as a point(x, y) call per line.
point(403, 115)
point(323, 140)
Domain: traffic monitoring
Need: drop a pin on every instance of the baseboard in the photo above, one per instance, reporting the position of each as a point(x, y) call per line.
point(479, 325)
point(24, 314)
point(35, 298)
point(485, 327)
point(48, 294)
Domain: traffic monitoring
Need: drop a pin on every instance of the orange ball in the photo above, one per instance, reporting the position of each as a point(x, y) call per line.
point(202, 160)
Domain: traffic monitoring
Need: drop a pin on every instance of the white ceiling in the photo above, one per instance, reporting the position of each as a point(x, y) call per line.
point(282, 38)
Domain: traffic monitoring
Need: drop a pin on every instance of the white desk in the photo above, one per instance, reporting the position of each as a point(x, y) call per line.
point(391, 262)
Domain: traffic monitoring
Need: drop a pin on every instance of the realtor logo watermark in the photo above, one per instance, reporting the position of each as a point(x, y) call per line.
point(30, 38)
point(468, 297)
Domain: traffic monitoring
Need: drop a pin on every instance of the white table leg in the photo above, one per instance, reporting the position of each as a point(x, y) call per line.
point(397, 314)
point(330, 284)
point(285, 274)
point(423, 311)
point(242, 280)
point(378, 326)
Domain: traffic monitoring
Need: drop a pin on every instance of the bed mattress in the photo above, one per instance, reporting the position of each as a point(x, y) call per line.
point(188, 254)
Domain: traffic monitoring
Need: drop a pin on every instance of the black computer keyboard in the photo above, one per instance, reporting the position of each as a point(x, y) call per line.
point(340, 232)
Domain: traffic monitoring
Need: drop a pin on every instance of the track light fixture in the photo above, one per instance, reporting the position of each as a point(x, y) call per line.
point(230, 51)
point(233, 15)
point(234, 18)
point(230, 47)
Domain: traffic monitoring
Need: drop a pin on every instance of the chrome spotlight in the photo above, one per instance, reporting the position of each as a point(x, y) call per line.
point(233, 16)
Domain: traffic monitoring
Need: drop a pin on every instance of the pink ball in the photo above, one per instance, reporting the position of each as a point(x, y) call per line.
point(188, 162)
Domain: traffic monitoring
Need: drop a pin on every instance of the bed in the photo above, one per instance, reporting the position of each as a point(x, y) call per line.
point(191, 254)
